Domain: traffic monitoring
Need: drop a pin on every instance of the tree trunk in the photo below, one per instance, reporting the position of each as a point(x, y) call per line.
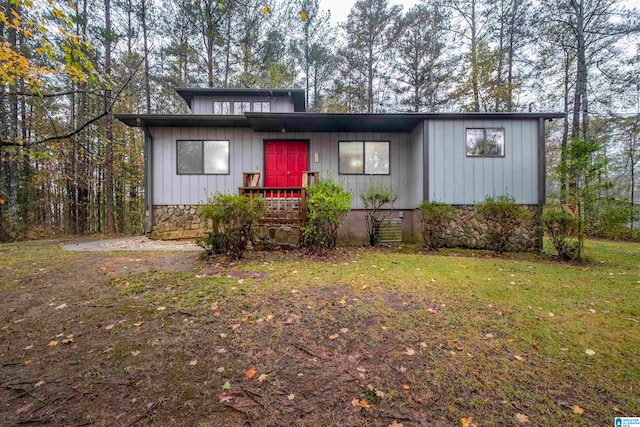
point(565, 129)
point(108, 161)
point(370, 80)
point(474, 59)
point(145, 40)
point(227, 49)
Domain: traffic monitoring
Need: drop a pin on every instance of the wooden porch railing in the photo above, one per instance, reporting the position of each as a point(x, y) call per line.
point(284, 205)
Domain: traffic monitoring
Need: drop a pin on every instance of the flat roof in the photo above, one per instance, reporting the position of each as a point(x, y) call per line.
point(319, 122)
point(182, 120)
point(297, 95)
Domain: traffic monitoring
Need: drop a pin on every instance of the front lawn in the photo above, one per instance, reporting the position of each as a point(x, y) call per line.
point(365, 337)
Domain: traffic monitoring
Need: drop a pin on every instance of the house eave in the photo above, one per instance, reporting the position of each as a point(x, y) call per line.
point(183, 120)
point(319, 122)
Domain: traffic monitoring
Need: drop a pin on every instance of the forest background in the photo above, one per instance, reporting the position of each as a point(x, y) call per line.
point(66, 67)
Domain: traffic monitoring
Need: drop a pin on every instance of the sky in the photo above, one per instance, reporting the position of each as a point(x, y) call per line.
point(340, 8)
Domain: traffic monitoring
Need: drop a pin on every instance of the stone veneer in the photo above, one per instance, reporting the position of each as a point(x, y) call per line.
point(185, 222)
point(276, 237)
point(467, 231)
point(178, 222)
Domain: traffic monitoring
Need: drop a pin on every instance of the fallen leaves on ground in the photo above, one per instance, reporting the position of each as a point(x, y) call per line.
point(589, 352)
point(250, 373)
point(226, 385)
point(522, 418)
point(291, 396)
point(23, 409)
point(520, 358)
point(361, 403)
point(262, 378)
point(468, 422)
point(577, 410)
point(409, 351)
point(52, 343)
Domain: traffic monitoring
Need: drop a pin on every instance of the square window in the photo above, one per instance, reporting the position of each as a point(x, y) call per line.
point(376, 155)
point(216, 157)
point(351, 157)
point(241, 107)
point(222, 108)
point(190, 157)
point(261, 107)
point(202, 157)
point(485, 142)
point(363, 157)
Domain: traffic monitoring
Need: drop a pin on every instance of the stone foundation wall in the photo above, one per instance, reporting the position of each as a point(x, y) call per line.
point(178, 222)
point(275, 237)
point(172, 222)
point(467, 231)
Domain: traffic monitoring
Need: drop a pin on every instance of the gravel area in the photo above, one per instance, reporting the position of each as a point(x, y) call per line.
point(135, 243)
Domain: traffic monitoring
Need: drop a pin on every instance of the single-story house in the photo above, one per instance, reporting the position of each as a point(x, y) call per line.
point(263, 142)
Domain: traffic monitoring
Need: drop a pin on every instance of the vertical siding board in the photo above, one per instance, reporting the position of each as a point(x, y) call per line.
point(448, 140)
point(472, 170)
point(516, 161)
point(436, 171)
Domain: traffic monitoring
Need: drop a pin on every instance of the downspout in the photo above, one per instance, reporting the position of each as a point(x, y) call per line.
point(148, 175)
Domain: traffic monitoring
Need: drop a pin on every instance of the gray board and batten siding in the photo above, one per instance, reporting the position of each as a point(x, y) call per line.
point(451, 176)
point(246, 150)
point(204, 104)
point(456, 179)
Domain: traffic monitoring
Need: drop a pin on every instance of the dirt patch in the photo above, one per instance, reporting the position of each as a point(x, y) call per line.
point(133, 243)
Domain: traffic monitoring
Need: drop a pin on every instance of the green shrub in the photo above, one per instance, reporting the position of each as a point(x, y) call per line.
point(503, 217)
point(374, 198)
point(562, 230)
point(327, 206)
point(232, 217)
point(434, 217)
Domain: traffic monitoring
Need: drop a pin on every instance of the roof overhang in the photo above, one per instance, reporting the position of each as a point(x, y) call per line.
point(319, 122)
point(183, 120)
point(371, 122)
point(297, 95)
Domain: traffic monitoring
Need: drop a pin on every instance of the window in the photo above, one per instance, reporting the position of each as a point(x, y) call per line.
point(203, 157)
point(261, 107)
point(240, 108)
point(485, 142)
point(222, 108)
point(363, 157)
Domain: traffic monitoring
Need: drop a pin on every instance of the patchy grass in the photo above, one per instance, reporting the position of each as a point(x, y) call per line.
point(363, 337)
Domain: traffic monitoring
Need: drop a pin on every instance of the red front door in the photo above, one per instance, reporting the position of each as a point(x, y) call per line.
point(284, 163)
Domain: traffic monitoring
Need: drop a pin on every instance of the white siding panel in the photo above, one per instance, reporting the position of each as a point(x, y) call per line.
point(457, 179)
